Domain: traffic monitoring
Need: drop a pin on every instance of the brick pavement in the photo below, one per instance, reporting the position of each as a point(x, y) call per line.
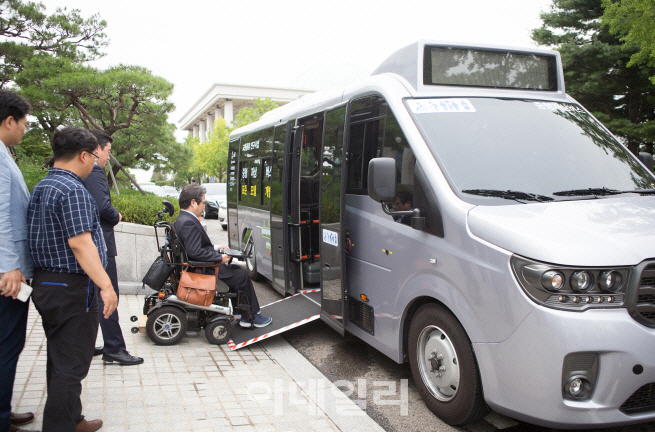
point(194, 386)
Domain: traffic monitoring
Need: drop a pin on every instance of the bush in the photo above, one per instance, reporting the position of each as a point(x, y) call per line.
point(138, 209)
point(32, 173)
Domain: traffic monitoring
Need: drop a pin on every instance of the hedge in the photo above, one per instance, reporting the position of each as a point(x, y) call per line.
point(138, 209)
point(32, 173)
point(135, 207)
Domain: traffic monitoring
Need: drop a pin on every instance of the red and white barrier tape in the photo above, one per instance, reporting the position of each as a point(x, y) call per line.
point(291, 296)
point(234, 346)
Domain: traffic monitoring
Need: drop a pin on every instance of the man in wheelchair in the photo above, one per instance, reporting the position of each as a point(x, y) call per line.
point(199, 248)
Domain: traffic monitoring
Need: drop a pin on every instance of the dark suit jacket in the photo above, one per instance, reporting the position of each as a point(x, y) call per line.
point(197, 244)
point(96, 184)
point(194, 239)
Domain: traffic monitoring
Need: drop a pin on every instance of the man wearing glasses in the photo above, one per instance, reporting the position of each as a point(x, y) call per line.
point(114, 349)
point(69, 255)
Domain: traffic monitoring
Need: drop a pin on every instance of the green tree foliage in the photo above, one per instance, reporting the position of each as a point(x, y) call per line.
point(210, 157)
point(27, 31)
point(634, 22)
point(596, 72)
point(127, 101)
point(249, 115)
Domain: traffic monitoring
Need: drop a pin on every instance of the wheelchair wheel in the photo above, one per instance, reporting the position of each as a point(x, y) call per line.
point(166, 326)
point(218, 332)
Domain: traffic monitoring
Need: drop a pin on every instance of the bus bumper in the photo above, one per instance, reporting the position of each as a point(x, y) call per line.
point(522, 377)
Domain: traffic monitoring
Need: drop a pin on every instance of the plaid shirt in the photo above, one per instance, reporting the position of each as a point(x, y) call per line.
point(61, 208)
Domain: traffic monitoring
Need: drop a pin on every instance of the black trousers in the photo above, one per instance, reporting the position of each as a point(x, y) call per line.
point(236, 278)
point(112, 335)
point(69, 311)
point(13, 314)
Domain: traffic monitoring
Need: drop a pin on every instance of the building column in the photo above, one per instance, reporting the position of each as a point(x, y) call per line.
point(228, 111)
point(218, 113)
point(210, 124)
point(195, 131)
point(203, 130)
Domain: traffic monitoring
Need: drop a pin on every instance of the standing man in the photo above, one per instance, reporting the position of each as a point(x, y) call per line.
point(114, 349)
point(69, 255)
point(15, 263)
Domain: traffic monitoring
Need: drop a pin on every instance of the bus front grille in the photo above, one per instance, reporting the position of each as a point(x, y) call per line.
point(644, 305)
point(642, 401)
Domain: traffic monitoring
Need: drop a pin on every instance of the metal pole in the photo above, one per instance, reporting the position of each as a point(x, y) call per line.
point(113, 179)
point(127, 174)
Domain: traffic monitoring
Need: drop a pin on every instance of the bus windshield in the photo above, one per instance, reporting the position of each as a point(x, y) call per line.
point(536, 147)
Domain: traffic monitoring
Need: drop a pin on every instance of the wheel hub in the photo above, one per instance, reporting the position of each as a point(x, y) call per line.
point(437, 361)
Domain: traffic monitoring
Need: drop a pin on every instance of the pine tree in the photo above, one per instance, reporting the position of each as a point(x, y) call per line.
point(596, 72)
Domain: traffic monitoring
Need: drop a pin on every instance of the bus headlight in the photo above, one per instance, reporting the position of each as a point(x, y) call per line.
point(571, 288)
point(610, 280)
point(581, 281)
point(552, 280)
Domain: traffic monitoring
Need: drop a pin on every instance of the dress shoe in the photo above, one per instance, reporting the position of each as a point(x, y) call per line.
point(21, 418)
point(85, 425)
point(122, 357)
point(98, 351)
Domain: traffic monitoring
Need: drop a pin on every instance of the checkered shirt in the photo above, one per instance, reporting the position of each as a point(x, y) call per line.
point(61, 208)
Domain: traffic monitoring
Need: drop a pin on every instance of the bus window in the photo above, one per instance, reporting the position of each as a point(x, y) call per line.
point(277, 170)
point(255, 185)
point(396, 146)
point(374, 132)
point(243, 181)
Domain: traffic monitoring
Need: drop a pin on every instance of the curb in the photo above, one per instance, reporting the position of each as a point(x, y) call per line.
point(307, 376)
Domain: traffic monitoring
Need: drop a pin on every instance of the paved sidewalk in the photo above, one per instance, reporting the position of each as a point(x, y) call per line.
point(195, 386)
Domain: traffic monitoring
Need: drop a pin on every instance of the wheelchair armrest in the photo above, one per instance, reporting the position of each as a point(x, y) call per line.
point(200, 264)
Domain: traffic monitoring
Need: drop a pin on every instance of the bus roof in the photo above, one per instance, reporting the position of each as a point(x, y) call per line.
point(430, 68)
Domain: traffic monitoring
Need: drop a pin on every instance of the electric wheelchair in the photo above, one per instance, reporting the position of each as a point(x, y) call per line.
point(169, 317)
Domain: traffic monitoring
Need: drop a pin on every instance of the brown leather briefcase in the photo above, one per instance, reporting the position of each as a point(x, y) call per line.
point(198, 289)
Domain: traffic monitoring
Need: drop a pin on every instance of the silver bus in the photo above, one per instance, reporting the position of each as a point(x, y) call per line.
point(459, 211)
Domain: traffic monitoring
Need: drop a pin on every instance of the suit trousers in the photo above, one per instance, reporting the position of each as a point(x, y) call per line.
point(112, 335)
point(68, 304)
point(13, 314)
point(236, 278)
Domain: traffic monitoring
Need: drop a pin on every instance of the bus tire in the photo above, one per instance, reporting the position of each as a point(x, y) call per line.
point(444, 367)
point(251, 266)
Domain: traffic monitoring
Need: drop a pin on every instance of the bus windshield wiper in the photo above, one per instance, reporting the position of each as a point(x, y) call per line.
point(603, 191)
point(589, 191)
point(509, 195)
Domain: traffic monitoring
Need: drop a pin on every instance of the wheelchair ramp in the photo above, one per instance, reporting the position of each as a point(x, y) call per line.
point(287, 314)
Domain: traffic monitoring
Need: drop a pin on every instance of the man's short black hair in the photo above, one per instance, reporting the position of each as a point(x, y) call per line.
point(191, 192)
point(13, 105)
point(102, 137)
point(71, 141)
point(404, 196)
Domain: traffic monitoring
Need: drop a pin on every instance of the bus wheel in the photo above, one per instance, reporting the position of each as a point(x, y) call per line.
point(251, 266)
point(444, 366)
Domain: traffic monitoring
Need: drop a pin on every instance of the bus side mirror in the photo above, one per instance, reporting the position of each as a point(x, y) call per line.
point(382, 179)
point(646, 159)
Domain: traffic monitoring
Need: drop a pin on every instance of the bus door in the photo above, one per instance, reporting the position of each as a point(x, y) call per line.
point(234, 239)
point(292, 211)
point(305, 193)
point(332, 238)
